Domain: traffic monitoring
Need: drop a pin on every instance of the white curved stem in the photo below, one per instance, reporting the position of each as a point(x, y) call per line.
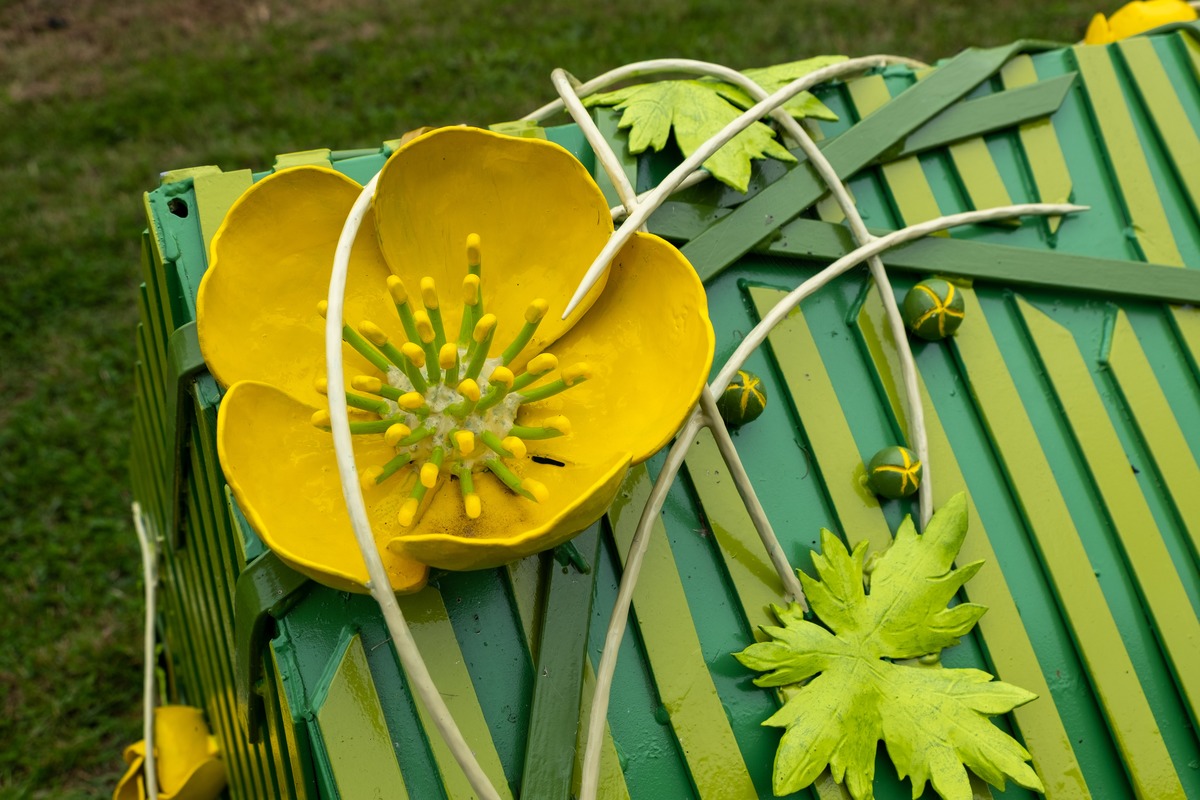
point(699, 176)
point(150, 578)
point(378, 583)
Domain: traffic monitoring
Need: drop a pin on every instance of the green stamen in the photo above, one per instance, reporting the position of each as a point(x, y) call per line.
point(427, 337)
point(533, 317)
point(506, 476)
point(511, 447)
point(555, 426)
point(400, 298)
point(414, 360)
point(432, 308)
point(433, 467)
point(376, 336)
point(469, 389)
point(393, 466)
point(576, 373)
point(416, 436)
point(537, 367)
point(481, 339)
point(471, 308)
point(367, 404)
point(408, 511)
point(466, 484)
point(498, 385)
point(448, 361)
point(320, 419)
point(365, 383)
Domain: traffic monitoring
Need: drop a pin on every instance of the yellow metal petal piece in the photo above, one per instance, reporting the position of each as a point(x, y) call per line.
point(283, 472)
point(648, 342)
point(540, 218)
point(188, 764)
point(1137, 17)
point(256, 308)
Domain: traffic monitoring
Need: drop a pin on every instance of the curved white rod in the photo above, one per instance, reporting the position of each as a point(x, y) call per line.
point(378, 583)
point(639, 216)
point(637, 548)
point(150, 578)
point(699, 176)
point(564, 83)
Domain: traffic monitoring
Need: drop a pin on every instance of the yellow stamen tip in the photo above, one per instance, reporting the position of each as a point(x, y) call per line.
point(424, 326)
point(576, 372)
point(465, 442)
point(370, 476)
point(541, 364)
point(470, 290)
point(537, 489)
point(469, 389)
point(473, 506)
point(365, 383)
point(560, 424)
point(448, 355)
point(429, 474)
point(321, 384)
point(473, 255)
point(486, 324)
point(515, 446)
point(502, 375)
point(397, 290)
point(408, 511)
point(537, 309)
point(373, 332)
point(323, 308)
point(411, 400)
point(429, 293)
point(320, 419)
point(413, 353)
point(394, 434)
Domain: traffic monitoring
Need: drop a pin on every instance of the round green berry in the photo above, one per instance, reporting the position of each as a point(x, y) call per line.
point(743, 400)
point(894, 472)
point(933, 309)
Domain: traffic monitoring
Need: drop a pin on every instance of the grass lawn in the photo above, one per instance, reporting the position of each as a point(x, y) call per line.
point(97, 98)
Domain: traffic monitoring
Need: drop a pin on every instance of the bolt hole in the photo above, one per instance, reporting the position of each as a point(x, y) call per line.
point(552, 462)
point(177, 207)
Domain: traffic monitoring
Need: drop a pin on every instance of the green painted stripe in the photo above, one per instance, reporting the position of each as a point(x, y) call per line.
point(1156, 425)
point(1159, 583)
point(980, 176)
point(1113, 676)
point(904, 178)
point(762, 215)
point(215, 193)
point(1008, 646)
point(1166, 111)
point(834, 450)
point(303, 158)
point(612, 779)
point(676, 660)
point(285, 738)
point(431, 628)
point(1192, 45)
point(353, 730)
point(1138, 190)
point(524, 583)
point(1012, 266)
point(1043, 153)
point(1185, 320)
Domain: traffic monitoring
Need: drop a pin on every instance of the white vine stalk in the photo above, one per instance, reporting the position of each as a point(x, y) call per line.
point(150, 578)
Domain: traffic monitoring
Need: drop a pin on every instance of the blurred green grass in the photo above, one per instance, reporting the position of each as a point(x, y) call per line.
point(97, 98)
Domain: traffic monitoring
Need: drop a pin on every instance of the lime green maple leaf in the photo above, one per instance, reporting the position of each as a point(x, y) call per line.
point(774, 78)
point(932, 720)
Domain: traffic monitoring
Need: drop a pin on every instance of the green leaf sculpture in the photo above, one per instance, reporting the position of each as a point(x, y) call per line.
point(697, 109)
point(932, 720)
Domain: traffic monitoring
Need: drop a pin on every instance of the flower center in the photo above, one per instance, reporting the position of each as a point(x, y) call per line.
point(431, 403)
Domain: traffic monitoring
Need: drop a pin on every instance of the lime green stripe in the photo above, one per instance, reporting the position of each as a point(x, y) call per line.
point(1101, 648)
point(304, 158)
point(905, 178)
point(1167, 112)
point(1157, 425)
point(1192, 46)
point(1043, 152)
point(1125, 155)
point(834, 450)
point(215, 193)
point(1008, 645)
point(612, 779)
point(1186, 321)
point(1161, 588)
point(355, 733)
point(673, 650)
point(980, 176)
point(431, 628)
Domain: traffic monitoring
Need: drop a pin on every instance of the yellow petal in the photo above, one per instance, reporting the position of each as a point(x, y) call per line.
point(271, 260)
point(1144, 15)
point(283, 472)
point(649, 342)
point(511, 527)
point(540, 216)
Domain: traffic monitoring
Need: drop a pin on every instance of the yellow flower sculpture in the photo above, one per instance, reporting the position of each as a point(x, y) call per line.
point(1137, 17)
point(488, 428)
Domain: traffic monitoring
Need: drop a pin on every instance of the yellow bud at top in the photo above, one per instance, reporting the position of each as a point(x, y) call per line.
point(502, 375)
point(429, 474)
point(397, 290)
point(365, 383)
point(464, 441)
point(473, 254)
point(320, 419)
point(515, 446)
point(470, 390)
point(486, 324)
point(577, 372)
point(429, 293)
point(323, 308)
point(470, 290)
point(411, 400)
point(448, 355)
point(373, 332)
point(321, 384)
point(413, 353)
point(472, 506)
point(395, 433)
point(537, 309)
point(537, 489)
point(541, 364)
point(558, 423)
point(424, 326)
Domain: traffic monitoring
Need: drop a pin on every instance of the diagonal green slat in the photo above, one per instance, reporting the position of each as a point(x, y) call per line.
point(673, 650)
point(1192, 46)
point(1043, 153)
point(612, 779)
point(980, 176)
point(1186, 322)
point(430, 624)
point(1009, 647)
point(1125, 156)
point(904, 178)
point(1101, 648)
point(762, 215)
point(1157, 425)
point(1158, 582)
point(354, 731)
